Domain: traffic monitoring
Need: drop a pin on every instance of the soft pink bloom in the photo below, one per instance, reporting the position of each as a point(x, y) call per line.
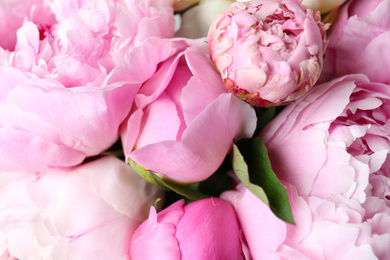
point(183, 122)
point(268, 52)
point(88, 213)
point(70, 79)
point(332, 150)
point(205, 229)
point(359, 41)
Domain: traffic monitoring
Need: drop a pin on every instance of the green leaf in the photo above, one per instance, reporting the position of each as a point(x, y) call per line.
point(256, 169)
point(179, 189)
point(141, 171)
point(240, 168)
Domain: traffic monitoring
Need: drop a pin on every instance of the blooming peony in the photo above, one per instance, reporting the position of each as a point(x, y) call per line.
point(359, 41)
point(268, 52)
point(205, 229)
point(69, 80)
point(88, 213)
point(183, 123)
point(332, 150)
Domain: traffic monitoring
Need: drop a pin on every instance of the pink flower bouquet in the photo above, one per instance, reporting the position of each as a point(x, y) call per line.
point(194, 129)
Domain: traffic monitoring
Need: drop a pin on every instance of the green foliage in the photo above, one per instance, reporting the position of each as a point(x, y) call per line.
point(182, 190)
point(252, 166)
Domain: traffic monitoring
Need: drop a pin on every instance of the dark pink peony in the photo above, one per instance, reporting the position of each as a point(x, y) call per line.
point(204, 229)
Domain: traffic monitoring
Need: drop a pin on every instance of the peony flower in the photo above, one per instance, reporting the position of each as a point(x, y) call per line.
point(332, 148)
point(183, 123)
point(90, 212)
point(204, 229)
point(268, 52)
point(70, 79)
point(323, 6)
point(359, 41)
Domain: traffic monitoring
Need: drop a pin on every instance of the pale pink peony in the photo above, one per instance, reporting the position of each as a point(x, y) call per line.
point(70, 79)
point(268, 52)
point(332, 151)
point(205, 229)
point(183, 122)
point(359, 41)
point(87, 213)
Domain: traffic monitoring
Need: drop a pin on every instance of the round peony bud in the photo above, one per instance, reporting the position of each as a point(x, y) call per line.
point(268, 52)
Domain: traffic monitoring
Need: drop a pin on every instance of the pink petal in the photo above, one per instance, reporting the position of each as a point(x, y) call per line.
point(263, 231)
point(209, 229)
point(161, 115)
point(155, 238)
point(204, 144)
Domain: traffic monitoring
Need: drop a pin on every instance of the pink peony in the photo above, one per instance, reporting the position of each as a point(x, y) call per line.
point(183, 123)
point(359, 41)
point(205, 229)
point(88, 213)
point(332, 150)
point(70, 79)
point(268, 52)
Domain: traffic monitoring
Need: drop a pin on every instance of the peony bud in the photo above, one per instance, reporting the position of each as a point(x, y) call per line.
point(204, 229)
point(268, 53)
